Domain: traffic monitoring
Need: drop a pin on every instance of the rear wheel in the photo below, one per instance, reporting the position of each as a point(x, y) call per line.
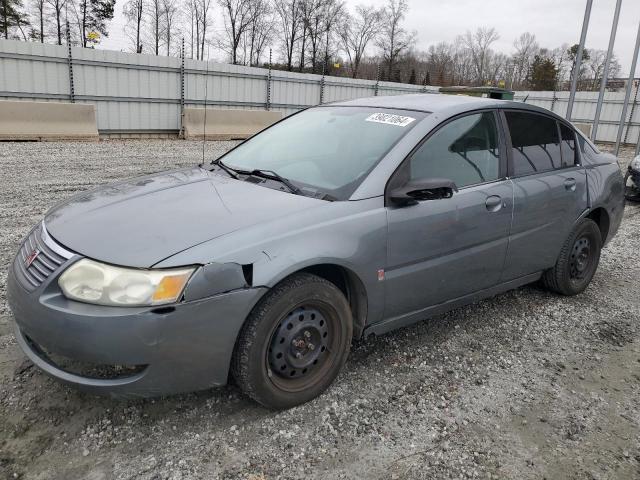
point(578, 260)
point(294, 342)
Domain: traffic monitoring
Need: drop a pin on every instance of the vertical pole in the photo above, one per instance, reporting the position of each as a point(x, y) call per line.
point(627, 94)
point(578, 61)
point(268, 104)
point(324, 66)
point(375, 88)
point(605, 73)
point(72, 94)
point(633, 110)
point(181, 133)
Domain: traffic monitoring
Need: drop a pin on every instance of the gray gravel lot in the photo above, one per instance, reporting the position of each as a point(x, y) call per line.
point(526, 385)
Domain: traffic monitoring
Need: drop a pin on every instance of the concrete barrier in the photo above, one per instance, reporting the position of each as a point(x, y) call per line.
point(27, 120)
point(226, 124)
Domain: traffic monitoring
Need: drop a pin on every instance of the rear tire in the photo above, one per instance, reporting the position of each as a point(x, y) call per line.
point(577, 262)
point(294, 342)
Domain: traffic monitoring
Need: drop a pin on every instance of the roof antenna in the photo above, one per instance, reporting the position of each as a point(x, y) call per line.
point(204, 122)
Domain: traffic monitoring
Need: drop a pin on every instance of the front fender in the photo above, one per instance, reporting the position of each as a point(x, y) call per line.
point(350, 234)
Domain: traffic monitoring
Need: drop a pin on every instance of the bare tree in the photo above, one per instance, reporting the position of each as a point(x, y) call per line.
point(290, 16)
point(394, 40)
point(58, 7)
point(357, 31)
point(526, 48)
point(479, 45)
point(134, 12)
point(40, 11)
point(205, 8)
point(441, 62)
point(198, 15)
point(596, 63)
point(259, 33)
point(155, 13)
point(238, 17)
point(171, 12)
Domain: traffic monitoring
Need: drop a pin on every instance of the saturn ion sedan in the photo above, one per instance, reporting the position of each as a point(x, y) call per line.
point(338, 222)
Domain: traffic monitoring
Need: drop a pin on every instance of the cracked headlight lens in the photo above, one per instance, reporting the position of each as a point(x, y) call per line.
point(94, 282)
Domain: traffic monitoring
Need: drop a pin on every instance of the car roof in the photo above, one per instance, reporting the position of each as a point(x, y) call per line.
point(425, 102)
point(435, 103)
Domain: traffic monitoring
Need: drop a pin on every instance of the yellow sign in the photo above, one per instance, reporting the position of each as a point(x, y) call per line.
point(93, 36)
point(336, 65)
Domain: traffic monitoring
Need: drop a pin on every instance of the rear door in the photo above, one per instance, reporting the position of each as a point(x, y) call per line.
point(550, 190)
point(439, 250)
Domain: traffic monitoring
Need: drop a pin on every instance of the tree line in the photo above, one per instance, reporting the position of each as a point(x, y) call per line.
point(307, 36)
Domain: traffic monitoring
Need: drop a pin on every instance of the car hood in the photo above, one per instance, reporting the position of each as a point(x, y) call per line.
point(141, 221)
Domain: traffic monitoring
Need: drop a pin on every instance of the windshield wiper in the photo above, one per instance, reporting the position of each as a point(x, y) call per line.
point(271, 175)
point(232, 173)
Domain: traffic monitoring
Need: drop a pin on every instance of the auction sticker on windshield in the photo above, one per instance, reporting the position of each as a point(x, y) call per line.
point(390, 119)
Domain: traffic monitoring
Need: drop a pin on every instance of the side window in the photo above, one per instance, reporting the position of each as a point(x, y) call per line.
point(535, 143)
point(568, 146)
point(465, 150)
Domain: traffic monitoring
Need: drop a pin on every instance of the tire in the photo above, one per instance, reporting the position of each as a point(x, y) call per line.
point(578, 260)
point(294, 343)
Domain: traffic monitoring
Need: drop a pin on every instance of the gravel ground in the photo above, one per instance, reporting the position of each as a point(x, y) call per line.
point(526, 385)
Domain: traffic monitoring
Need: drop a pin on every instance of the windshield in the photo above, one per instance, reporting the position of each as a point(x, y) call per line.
point(325, 149)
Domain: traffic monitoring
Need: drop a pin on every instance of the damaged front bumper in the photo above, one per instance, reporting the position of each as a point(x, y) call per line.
point(129, 352)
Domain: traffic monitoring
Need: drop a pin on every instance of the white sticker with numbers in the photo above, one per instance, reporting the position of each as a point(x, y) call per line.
point(390, 119)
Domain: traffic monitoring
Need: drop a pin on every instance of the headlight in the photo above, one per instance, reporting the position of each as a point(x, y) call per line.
point(635, 163)
point(93, 282)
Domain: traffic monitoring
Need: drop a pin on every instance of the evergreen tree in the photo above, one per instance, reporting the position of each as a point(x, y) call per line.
point(412, 77)
point(543, 74)
point(12, 17)
point(95, 15)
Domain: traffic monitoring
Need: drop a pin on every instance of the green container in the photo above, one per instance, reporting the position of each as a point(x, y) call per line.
point(486, 92)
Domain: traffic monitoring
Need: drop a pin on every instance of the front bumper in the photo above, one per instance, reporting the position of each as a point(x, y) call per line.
point(177, 348)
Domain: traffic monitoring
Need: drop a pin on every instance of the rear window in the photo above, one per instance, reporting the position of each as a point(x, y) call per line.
point(535, 143)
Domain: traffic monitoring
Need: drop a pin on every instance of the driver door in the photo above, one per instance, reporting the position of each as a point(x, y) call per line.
point(440, 250)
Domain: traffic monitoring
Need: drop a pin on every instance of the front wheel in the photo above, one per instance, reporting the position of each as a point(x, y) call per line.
point(294, 342)
point(578, 260)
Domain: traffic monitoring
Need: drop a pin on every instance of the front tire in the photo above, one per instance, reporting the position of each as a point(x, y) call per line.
point(578, 260)
point(294, 342)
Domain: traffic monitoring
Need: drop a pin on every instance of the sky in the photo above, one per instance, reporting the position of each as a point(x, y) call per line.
point(553, 22)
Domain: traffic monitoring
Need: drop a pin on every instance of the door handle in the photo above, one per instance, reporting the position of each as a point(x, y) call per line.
point(570, 184)
point(493, 203)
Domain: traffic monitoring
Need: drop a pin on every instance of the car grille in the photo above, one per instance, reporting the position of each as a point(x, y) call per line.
point(49, 258)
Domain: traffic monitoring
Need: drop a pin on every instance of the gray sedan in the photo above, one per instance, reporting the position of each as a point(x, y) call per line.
point(338, 222)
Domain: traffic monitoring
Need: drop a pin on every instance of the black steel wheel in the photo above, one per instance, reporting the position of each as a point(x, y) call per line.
point(294, 343)
point(578, 260)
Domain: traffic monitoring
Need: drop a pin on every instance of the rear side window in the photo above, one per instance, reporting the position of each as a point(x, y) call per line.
point(535, 143)
point(568, 146)
point(465, 150)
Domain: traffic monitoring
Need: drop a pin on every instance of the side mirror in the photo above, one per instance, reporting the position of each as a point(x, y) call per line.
point(420, 190)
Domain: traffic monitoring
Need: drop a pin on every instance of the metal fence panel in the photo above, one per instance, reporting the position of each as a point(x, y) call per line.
point(141, 93)
point(584, 110)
